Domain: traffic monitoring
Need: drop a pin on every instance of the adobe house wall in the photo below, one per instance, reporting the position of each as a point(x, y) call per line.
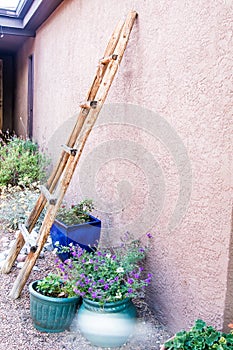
point(164, 151)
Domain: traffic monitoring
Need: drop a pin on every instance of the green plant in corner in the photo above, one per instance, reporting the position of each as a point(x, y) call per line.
point(200, 337)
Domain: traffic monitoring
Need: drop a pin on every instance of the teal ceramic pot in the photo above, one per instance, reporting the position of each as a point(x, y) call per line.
point(109, 325)
point(49, 314)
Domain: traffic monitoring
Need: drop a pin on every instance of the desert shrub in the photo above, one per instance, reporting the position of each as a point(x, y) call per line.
point(16, 205)
point(21, 162)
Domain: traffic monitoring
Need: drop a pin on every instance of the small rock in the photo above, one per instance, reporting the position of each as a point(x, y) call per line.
point(48, 247)
point(21, 257)
point(23, 250)
point(4, 254)
point(19, 265)
point(2, 263)
point(36, 268)
point(4, 239)
point(11, 243)
point(41, 256)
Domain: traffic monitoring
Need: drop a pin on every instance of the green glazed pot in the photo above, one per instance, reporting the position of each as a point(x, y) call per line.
point(109, 325)
point(51, 315)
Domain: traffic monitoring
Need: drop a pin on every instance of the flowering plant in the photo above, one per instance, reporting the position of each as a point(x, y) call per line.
point(77, 214)
point(105, 275)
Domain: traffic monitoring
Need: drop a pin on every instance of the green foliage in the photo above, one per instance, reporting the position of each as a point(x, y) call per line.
point(77, 214)
point(201, 337)
point(52, 286)
point(16, 205)
point(21, 163)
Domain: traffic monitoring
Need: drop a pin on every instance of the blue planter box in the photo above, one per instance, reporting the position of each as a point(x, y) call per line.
point(86, 235)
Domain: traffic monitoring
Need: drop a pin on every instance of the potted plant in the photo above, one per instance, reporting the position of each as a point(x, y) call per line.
point(77, 226)
point(200, 337)
point(107, 280)
point(53, 303)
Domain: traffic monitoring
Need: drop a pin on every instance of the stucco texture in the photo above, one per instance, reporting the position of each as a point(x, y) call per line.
point(159, 158)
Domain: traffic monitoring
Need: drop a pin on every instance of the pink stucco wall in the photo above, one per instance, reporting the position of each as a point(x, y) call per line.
point(168, 142)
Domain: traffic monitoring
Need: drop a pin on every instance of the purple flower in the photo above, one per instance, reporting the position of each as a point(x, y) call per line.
point(106, 286)
point(67, 261)
point(136, 275)
point(61, 267)
point(80, 253)
point(130, 291)
point(94, 295)
point(130, 280)
point(101, 280)
point(149, 235)
point(148, 279)
point(96, 268)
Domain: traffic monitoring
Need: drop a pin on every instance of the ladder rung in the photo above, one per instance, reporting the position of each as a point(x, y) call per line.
point(50, 198)
point(107, 59)
point(88, 104)
point(70, 150)
point(28, 238)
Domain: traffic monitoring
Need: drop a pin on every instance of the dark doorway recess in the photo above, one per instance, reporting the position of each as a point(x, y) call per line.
point(30, 96)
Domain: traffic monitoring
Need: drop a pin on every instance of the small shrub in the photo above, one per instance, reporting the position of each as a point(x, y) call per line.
point(16, 205)
point(21, 163)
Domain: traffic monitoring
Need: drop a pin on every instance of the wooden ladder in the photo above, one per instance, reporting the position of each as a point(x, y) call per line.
point(54, 190)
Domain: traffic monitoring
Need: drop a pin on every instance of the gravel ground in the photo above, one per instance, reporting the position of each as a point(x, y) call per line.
point(17, 331)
